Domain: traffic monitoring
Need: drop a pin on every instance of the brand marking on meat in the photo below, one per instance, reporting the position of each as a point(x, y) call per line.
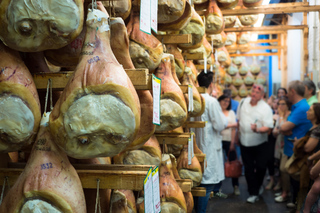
point(46, 166)
point(94, 59)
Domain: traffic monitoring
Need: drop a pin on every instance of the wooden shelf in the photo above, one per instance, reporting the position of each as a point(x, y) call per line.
point(201, 159)
point(175, 39)
point(201, 66)
point(193, 56)
point(266, 29)
point(198, 191)
point(173, 138)
point(185, 184)
point(112, 179)
point(256, 48)
point(138, 77)
point(201, 89)
point(254, 54)
point(280, 8)
point(194, 124)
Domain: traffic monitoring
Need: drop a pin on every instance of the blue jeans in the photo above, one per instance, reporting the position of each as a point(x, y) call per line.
point(200, 203)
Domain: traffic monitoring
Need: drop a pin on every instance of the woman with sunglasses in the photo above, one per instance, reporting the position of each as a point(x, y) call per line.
point(284, 106)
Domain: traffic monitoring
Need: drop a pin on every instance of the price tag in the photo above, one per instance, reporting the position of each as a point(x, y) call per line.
point(156, 91)
point(145, 16)
point(156, 190)
point(148, 192)
point(154, 15)
point(205, 63)
point(192, 150)
point(189, 151)
point(190, 96)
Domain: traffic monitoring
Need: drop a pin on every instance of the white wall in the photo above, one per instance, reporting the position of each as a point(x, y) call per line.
point(294, 44)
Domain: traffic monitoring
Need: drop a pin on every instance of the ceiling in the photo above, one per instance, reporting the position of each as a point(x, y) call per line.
point(275, 19)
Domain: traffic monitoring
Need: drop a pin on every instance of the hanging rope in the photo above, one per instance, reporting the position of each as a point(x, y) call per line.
point(3, 188)
point(49, 90)
point(98, 198)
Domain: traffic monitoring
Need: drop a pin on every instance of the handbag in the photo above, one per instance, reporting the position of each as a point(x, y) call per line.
point(233, 169)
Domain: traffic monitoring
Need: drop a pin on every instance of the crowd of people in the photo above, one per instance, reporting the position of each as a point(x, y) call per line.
point(281, 133)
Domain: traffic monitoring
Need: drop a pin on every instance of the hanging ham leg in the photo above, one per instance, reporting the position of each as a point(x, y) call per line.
point(98, 113)
point(214, 19)
point(120, 48)
point(49, 183)
point(123, 201)
point(171, 195)
point(19, 102)
point(173, 109)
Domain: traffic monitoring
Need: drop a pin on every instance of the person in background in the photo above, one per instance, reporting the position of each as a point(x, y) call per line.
point(310, 92)
point(255, 121)
point(234, 103)
point(284, 106)
point(209, 140)
point(296, 126)
point(282, 92)
point(228, 135)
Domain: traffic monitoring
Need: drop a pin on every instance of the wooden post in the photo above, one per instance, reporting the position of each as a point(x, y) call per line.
point(279, 51)
point(305, 47)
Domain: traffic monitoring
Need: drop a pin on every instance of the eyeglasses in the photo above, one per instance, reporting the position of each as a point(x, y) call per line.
point(282, 104)
point(256, 87)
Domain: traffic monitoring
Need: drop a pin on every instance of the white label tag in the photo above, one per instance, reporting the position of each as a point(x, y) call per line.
point(205, 63)
point(148, 192)
point(189, 151)
point(145, 16)
point(211, 68)
point(190, 96)
point(154, 15)
point(156, 190)
point(192, 151)
point(156, 91)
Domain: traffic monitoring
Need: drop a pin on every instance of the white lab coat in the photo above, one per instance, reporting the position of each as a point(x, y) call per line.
point(209, 140)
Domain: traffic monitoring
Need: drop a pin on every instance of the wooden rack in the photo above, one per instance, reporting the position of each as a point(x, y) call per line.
point(173, 138)
point(194, 124)
point(175, 39)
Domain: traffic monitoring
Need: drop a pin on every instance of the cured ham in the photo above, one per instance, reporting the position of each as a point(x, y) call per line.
point(145, 50)
point(214, 20)
point(244, 68)
point(229, 21)
point(49, 183)
point(171, 195)
point(20, 106)
point(224, 57)
point(120, 48)
point(247, 20)
point(121, 8)
point(98, 113)
point(186, 171)
point(123, 201)
point(249, 79)
point(170, 10)
point(179, 61)
point(252, 3)
point(231, 39)
point(148, 154)
point(243, 92)
point(173, 108)
point(217, 40)
point(227, 4)
point(34, 26)
point(237, 80)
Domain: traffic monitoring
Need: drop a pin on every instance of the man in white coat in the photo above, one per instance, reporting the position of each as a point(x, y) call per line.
point(209, 140)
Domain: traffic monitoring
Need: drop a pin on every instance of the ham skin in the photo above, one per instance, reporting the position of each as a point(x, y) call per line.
point(98, 113)
point(20, 106)
point(214, 20)
point(48, 180)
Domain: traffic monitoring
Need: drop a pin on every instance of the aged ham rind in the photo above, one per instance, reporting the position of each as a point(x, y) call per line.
point(197, 30)
point(237, 80)
point(186, 171)
point(148, 154)
point(120, 48)
point(252, 3)
point(261, 78)
point(179, 61)
point(231, 39)
point(189, 201)
point(229, 21)
point(98, 113)
point(234, 91)
point(227, 4)
point(171, 195)
point(244, 68)
point(121, 8)
point(19, 102)
point(243, 92)
point(248, 79)
point(145, 50)
point(180, 23)
point(173, 108)
point(91, 194)
point(247, 20)
point(48, 181)
point(214, 20)
point(224, 57)
point(122, 201)
point(33, 26)
point(170, 10)
point(217, 40)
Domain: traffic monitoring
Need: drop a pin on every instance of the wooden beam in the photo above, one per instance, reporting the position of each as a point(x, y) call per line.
point(198, 191)
point(185, 184)
point(175, 39)
point(201, 66)
point(280, 8)
point(266, 28)
point(132, 180)
point(184, 88)
point(139, 77)
point(201, 89)
point(305, 56)
point(173, 138)
point(284, 69)
point(193, 56)
point(256, 48)
point(253, 54)
point(259, 41)
point(194, 124)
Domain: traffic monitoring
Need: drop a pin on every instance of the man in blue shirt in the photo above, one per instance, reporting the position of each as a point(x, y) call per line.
point(296, 126)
